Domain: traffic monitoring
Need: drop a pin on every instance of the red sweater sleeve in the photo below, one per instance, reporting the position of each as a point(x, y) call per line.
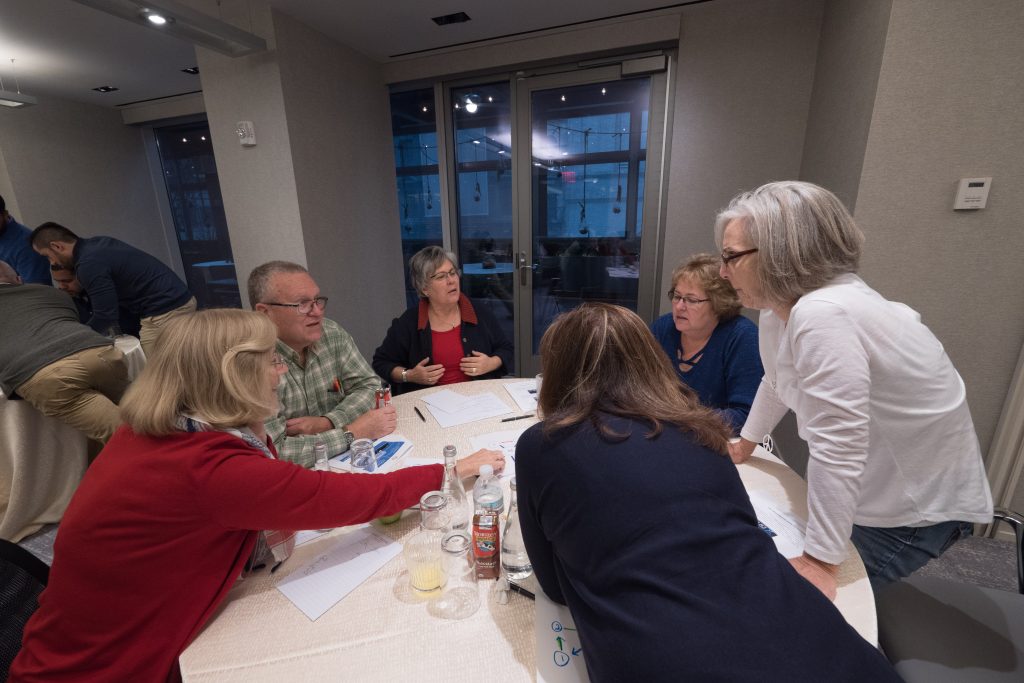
point(246, 491)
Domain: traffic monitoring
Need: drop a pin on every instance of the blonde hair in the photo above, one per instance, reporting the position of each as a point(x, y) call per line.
point(602, 359)
point(702, 269)
point(211, 364)
point(804, 235)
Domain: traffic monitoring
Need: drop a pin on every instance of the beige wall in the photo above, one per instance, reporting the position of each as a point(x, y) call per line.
point(80, 166)
point(845, 80)
point(742, 93)
point(950, 104)
point(338, 123)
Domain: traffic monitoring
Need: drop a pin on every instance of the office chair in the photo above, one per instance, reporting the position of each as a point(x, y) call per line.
point(937, 631)
point(22, 578)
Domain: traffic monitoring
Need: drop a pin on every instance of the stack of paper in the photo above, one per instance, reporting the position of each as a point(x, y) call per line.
point(451, 409)
point(524, 394)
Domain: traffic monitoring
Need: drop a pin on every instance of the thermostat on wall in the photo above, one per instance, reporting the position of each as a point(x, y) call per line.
point(972, 193)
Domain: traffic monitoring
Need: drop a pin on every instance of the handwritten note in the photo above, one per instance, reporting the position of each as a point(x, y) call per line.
point(785, 528)
point(524, 394)
point(504, 441)
point(559, 652)
point(322, 582)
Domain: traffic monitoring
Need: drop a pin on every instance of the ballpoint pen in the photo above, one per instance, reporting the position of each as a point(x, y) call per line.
point(419, 413)
point(517, 417)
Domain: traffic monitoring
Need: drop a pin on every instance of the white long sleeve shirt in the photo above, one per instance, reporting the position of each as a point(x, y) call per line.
point(882, 409)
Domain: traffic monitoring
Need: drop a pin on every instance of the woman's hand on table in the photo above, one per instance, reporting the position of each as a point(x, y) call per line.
point(479, 364)
point(421, 373)
point(740, 450)
point(470, 465)
point(822, 575)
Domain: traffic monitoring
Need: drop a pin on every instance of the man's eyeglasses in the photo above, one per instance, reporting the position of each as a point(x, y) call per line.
point(277, 360)
point(729, 256)
point(304, 307)
point(438, 277)
point(689, 300)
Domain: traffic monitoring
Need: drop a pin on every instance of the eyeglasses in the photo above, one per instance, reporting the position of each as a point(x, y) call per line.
point(690, 301)
point(304, 307)
point(438, 277)
point(277, 360)
point(729, 256)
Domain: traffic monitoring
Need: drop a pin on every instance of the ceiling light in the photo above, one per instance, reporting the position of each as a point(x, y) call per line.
point(194, 70)
point(472, 102)
point(455, 18)
point(14, 98)
point(106, 88)
point(183, 22)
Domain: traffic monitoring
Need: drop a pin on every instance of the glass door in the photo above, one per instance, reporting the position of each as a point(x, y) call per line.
point(587, 219)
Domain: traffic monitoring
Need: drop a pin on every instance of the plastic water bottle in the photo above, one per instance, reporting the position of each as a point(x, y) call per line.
point(514, 560)
point(487, 495)
point(320, 457)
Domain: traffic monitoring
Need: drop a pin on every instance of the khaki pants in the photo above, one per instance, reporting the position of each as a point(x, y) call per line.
point(150, 327)
point(82, 389)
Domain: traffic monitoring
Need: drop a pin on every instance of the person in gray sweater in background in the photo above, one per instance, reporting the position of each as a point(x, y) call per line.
point(60, 366)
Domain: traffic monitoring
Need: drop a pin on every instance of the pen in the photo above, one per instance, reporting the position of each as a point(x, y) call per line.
point(522, 591)
point(517, 417)
point(419, 413)
point(335, 387)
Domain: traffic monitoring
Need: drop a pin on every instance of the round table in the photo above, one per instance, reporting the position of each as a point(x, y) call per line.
point(381, 632)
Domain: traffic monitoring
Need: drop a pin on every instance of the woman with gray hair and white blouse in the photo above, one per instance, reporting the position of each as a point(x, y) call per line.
point(445, 339)
point(894, 459)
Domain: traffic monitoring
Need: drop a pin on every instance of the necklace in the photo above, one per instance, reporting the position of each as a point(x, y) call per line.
point(445, 325)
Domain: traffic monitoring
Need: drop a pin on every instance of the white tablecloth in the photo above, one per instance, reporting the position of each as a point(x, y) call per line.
point(42, 460)
point(380, 632)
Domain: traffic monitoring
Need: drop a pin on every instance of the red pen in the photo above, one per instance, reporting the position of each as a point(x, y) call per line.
point(336, 387)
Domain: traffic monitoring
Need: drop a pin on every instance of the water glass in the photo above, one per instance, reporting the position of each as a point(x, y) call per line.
point(362, 458)
point(461, 596)
point(435, 512)
point(422, 553)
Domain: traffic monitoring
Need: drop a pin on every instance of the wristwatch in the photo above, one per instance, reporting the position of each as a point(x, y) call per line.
point(405, 375)
point(349, 436)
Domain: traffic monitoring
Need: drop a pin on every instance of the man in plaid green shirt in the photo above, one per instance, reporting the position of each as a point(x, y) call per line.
point(328, 392)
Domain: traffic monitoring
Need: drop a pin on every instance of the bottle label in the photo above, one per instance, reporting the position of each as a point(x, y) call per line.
point(486, 545)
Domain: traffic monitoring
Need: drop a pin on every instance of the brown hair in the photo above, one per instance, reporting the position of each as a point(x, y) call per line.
point(703, 269)
point(212, 364)
point(601, 358)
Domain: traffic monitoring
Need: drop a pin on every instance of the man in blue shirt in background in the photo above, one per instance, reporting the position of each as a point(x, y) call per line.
point(117, 275)
point(15, 250)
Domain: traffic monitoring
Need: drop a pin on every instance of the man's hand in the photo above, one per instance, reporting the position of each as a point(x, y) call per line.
point(822, 575)
point(470, 465)
point(374, 424)
point(307, 425)
point(741, 450)
point(425, 374)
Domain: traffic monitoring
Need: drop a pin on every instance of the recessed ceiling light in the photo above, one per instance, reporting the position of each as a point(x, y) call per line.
point(106, 88)
point(194, 70)
point(155, 18)
point(456, 18)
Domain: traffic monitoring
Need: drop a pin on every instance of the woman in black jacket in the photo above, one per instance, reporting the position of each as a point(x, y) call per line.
point(444, 339)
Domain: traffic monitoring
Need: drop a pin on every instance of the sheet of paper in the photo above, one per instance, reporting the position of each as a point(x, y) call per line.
point(504, 441)
point(449, 401)
point(524, 394)
point(482, 407)
point(340, 462)
point(559, 653)
point(319, 584)
point(785, 528)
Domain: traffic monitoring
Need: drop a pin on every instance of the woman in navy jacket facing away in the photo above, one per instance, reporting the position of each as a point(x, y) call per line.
point(635, 518)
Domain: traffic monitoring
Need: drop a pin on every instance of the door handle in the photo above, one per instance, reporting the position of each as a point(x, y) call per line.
point(524, 268)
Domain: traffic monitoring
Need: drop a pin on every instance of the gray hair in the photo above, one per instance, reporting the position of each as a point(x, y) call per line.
point(804, 235)
point(8, 274)
point(259, 278)
point(425, 262)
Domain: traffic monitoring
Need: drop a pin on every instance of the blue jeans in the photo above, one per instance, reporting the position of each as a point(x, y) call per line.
point(890, 554)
